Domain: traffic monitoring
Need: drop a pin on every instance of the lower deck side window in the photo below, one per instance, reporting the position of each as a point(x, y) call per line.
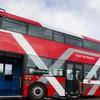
point(13, 25)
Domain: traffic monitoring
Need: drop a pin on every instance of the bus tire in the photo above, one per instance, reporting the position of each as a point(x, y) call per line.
point(37, 91)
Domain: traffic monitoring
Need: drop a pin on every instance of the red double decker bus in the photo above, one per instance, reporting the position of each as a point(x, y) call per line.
point(38, 62)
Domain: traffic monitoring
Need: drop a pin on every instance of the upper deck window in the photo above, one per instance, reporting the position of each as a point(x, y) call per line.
point(47, 33)
point(13, 25)
point(40, 32)
point(73, 40)
point(58, 37)
point(91, 45)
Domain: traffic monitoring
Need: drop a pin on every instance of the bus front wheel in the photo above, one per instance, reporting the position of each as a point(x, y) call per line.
point(37, 91)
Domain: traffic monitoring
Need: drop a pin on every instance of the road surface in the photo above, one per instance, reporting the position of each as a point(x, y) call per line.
point(92, 98)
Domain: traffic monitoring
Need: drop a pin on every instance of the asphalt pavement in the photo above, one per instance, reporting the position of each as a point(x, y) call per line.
point(84, 98)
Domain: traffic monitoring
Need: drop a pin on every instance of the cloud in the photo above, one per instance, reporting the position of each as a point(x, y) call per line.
point(65, 21)
point(94, 5)
point(79, 16)
point(22, 7)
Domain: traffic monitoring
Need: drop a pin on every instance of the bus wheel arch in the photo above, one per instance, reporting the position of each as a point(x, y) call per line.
point(37, 91)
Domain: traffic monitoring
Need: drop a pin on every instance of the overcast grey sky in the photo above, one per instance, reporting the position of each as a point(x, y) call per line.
point(76, 16)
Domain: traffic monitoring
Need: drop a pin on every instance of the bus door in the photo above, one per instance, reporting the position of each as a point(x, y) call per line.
point(73, 75)
point(10, 75)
